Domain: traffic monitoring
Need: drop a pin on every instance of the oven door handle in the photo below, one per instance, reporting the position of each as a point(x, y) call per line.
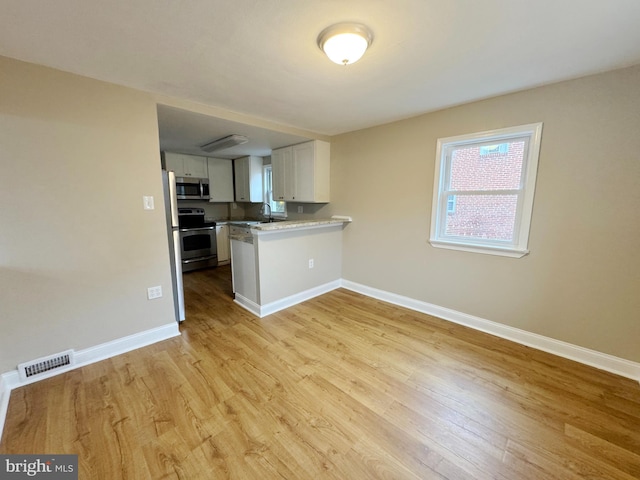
point(195, 229)
point(199, 259)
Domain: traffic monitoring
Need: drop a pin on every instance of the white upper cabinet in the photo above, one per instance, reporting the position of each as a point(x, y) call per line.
point(248, 182)
point(220, 180)
point(186, 165)
point(301, 173)
point(282, 174)
point(311, 162)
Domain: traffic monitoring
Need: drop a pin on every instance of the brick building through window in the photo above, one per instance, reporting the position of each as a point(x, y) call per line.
point(480, 215)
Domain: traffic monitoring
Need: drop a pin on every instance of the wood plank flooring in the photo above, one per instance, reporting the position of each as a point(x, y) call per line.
point(339, 387)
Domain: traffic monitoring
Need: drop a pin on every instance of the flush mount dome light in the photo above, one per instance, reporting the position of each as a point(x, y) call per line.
point(345, 43)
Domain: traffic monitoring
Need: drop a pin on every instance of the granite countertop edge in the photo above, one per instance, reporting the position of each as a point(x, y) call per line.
point(293, 224)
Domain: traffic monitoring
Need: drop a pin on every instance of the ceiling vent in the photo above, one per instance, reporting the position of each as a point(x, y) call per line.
point(224, 143)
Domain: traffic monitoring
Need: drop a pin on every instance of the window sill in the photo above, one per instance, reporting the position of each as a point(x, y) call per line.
point(484, 249)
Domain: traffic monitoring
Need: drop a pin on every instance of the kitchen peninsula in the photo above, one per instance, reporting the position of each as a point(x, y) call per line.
point(276, 265)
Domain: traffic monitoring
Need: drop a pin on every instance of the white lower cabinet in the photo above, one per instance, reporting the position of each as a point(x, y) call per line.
point(222, 244)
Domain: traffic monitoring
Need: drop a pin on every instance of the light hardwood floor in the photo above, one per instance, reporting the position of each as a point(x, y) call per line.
point(339, 387)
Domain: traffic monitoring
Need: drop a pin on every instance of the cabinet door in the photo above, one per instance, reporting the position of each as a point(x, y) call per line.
point(312, 164)
point(220, 180)
point(255, 180)
point(241, 170)
point(222, 243)
point(282, 174)
point(175, 162)
point(195, 166)
point(186, 165)
point(303, 161)
point(248, 182)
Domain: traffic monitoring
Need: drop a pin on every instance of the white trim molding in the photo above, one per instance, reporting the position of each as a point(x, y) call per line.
point(11, 379)
point(273, 307)
point(593, 358)
point(247, 304)
point(294, 299)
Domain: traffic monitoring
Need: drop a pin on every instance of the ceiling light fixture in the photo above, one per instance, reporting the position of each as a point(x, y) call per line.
point(225, 142)
point(345, 43)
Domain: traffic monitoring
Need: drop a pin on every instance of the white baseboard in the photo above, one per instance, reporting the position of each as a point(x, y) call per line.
point(273, 307)
point(247, 304)
point(11, 379)
point(292, 300)
point(602, 361)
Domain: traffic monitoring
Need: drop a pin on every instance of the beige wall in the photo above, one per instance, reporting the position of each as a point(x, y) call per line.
point(77, 251)
point(581, 281)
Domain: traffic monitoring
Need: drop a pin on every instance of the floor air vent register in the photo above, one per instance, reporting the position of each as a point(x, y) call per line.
point(42, 366)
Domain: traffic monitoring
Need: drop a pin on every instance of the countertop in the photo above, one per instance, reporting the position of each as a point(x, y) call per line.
point(245, 231)
point(292, 224)
point(238, 222)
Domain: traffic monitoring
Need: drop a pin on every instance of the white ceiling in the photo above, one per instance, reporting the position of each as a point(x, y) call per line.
point(185, 132)
point(260, 58)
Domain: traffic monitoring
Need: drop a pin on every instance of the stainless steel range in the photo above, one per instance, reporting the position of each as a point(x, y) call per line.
point(197, 240)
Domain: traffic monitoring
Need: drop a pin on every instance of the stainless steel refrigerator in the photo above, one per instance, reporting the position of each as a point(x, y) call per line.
point(171, 208)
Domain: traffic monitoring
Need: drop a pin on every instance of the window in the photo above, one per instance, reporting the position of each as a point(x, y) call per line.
point(483, 190)
point(278, 208)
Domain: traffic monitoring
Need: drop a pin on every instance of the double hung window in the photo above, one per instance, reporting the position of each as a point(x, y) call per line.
point(483, 190)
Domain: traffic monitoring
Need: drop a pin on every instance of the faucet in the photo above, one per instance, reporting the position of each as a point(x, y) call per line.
point(263, 210)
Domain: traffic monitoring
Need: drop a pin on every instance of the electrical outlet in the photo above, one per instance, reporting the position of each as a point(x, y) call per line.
point(311, 263)
point(154, 292)
point(234, 205)
point(300, 209)
point(147, 202)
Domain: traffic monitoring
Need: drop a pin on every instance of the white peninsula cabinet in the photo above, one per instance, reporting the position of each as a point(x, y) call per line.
point(220, 180)
point(301, 172)
point(248, 181)
point(186, 165)
point(277, 265)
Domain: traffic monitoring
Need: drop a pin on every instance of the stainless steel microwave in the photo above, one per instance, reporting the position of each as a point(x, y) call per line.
point(189, 188)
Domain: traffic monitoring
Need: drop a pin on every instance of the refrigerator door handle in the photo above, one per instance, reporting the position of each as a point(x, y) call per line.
point(173, 199)
point(178, 269)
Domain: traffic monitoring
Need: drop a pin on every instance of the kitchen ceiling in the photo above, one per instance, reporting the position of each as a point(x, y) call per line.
point(185, 132)
point(260, 58)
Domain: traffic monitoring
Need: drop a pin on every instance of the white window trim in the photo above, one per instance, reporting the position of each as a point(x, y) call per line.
point(519, 247)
